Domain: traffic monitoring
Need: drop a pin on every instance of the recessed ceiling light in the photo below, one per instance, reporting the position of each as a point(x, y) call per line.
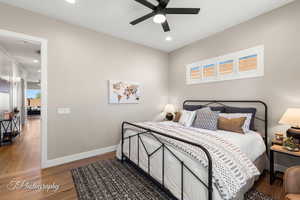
point(36, 61)
point(169, 38)
point(159, 18)
point(39, 71)
point(71, 1)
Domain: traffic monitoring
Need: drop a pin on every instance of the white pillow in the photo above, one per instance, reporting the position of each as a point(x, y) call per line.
point(246, 126)
point(187, 118)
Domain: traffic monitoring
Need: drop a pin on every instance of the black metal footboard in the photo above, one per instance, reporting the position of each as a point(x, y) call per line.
point(163, 147)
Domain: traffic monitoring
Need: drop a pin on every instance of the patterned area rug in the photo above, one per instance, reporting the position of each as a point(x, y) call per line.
point(255, 195)
point(112, 180)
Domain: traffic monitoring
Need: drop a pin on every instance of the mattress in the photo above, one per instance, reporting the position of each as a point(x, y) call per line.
point(250, 143)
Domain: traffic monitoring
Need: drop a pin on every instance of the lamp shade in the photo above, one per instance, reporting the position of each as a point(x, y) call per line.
point(291, 117)
point(169, 108)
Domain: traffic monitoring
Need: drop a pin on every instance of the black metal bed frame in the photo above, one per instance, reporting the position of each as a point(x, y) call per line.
point(165, 148)
point(222, 103)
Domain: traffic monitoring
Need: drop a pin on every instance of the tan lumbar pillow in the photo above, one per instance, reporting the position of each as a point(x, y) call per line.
point(233, 124)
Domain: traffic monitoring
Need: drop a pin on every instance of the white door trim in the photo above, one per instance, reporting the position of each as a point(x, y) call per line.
point(44, 65)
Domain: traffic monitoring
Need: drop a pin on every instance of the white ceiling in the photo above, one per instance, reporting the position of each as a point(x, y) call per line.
point(24, 53)
point(113, 17)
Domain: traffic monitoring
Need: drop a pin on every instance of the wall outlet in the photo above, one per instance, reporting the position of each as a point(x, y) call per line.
point(63, 111)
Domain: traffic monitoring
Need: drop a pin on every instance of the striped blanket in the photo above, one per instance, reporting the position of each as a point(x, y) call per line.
point(231, 167)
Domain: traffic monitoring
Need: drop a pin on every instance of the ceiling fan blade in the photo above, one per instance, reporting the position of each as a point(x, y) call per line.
point(166, 26)
point(147, 4)
point(163, 3)
point(182, 10)
point(145, 17)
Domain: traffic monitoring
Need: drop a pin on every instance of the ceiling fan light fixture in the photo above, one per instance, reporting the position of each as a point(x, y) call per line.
point(159, 18)
point(159, 12)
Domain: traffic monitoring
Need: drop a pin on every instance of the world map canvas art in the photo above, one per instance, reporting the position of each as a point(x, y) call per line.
point(124, 92)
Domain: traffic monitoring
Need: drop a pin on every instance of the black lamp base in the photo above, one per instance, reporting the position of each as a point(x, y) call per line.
point(169, 116)
point(294, 132)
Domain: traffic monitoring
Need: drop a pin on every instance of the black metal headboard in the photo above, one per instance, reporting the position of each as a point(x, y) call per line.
point(223, 102)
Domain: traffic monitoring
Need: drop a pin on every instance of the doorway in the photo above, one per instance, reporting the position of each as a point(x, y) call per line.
point(23, 79)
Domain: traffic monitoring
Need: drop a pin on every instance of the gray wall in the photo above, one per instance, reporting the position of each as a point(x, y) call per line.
point(5, 77)
point(80, 62)
point(279, 32)
point(11, 71)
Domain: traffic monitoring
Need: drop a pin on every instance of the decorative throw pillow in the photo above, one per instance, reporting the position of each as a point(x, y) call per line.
point(187, 118)
point(233, 125)
point(229, 109)
point(207, 119)
point(246, 126)
point(177, 117)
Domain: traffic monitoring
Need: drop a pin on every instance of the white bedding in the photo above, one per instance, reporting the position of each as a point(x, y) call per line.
point(250, 143)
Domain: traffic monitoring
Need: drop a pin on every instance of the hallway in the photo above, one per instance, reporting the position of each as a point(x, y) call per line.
point(24, 154)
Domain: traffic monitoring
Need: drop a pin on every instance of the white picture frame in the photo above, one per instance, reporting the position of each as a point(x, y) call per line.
point(124, 92)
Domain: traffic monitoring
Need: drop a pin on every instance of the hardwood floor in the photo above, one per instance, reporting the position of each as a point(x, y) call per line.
point(24, 153)
point(61, 175)
point(275, 190)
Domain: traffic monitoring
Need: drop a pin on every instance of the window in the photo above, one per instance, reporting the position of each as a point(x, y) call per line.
point(196, 73)
point(33, 98)
point(33, 94)
point(226, 67)
point(209, 71)
point(248, 63)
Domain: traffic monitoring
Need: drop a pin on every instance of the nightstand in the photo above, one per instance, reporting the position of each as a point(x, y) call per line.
point(279, 149)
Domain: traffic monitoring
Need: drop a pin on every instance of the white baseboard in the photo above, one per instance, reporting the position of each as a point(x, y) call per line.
point(79, 156)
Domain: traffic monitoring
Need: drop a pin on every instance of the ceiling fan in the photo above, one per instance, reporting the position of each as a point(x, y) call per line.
point(160, 11)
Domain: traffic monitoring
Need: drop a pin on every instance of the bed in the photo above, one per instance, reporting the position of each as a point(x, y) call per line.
point(196, 164)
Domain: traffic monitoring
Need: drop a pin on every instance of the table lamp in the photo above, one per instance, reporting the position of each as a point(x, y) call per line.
point(170, 110)
point(292, 117)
